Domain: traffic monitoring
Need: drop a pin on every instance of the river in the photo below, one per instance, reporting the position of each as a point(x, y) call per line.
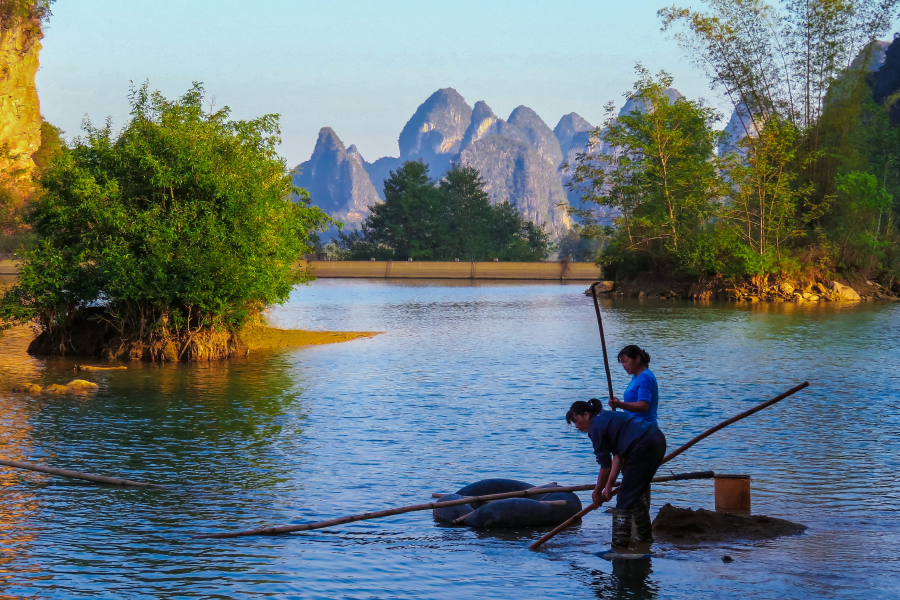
point(468, 381)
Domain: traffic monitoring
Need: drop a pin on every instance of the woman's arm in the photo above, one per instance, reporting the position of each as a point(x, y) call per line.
point(639, 406)
point(611, 478)
point(597, 495)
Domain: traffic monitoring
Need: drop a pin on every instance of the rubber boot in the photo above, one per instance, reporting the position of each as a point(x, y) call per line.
point(643, 526)
point(621, 529)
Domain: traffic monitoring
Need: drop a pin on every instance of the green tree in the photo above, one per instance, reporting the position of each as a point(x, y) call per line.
point(160, 242)
point(656, 166)
point(453, 218)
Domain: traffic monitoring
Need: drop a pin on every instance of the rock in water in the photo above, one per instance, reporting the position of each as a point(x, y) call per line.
point(77, 386)
point(435, 132)
point(845, 292)
point(57, 389)
point(27, 388)
point(687, 525)
point(514, 171)
point(539, 135)
point(336, 179)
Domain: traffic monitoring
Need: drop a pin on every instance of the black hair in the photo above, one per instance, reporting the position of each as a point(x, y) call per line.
point(634, 352)
point(579, 407)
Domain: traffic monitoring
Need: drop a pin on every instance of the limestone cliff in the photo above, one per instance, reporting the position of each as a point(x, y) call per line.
point(20, 113)
point(568, 127)
point(336, 180)
point(539, 135)
point(435, 131)
point(380, 170)
point(514, 171)
point(484, 123)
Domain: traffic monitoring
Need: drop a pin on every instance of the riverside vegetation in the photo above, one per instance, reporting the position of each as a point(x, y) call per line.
point(809, 193)
point(162, 242)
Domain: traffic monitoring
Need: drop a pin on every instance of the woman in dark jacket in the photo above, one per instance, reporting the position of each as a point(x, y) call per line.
point(618, 438)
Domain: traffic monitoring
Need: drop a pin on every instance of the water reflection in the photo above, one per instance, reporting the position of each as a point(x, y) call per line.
point(629, 580)
point(470, 381)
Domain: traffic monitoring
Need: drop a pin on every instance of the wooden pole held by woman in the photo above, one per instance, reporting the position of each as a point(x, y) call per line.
point(76, 475)
point(602, 338)
point(678, 451)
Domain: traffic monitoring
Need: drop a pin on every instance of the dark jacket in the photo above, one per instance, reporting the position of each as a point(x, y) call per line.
point(616, 433)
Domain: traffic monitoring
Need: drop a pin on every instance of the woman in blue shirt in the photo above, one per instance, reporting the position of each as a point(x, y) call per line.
point(642, 393)
point(622, 442)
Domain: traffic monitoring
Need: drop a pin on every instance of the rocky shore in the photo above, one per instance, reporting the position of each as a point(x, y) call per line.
point(757, 289)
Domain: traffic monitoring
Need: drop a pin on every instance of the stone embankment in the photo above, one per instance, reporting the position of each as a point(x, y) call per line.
point(758, 289)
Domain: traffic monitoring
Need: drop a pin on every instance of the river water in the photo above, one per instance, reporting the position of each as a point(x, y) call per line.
point(468, 381)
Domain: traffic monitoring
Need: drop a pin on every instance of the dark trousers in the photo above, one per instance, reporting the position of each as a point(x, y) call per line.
point(641, 465)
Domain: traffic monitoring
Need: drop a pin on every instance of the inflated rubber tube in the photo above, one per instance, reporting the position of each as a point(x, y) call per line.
point(511, 512)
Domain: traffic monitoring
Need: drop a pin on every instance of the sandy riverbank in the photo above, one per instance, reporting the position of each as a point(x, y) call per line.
point(260, 337)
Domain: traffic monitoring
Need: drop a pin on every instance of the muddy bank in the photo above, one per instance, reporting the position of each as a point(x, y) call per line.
point(87, 337)
point(674, 524)
point(260, 337)
point(808, 288)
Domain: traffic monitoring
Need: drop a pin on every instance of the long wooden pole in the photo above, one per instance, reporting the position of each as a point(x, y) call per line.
point(433, 505)
point(76, 475)
point(672, 455)
point(734, 419)
point(602, 339)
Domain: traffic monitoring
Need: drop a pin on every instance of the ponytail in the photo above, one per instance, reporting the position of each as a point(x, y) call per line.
point(634, 352)
point(579, 407)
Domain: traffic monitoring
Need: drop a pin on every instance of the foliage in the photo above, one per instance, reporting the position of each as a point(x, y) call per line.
point(15, 12)
point(818, 153)
point(655, 166)
point(179, 223)
point(453, 218)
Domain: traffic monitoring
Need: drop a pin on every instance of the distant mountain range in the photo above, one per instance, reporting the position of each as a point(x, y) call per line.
point(518, 159)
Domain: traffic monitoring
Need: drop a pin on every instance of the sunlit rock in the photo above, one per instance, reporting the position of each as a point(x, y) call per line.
point(337, 180)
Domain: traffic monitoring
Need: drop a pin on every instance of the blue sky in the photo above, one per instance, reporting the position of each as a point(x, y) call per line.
point(360, 67)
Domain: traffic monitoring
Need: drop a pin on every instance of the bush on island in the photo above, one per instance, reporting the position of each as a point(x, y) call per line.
point(162, 241)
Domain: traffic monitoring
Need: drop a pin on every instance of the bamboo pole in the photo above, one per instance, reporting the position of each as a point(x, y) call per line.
point(675, 453)
point(736, 418)
point(432, 506)
point(602, 339)
point(77, 475)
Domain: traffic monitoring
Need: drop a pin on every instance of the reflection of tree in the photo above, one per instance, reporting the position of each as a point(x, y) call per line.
point(206, 424)
point(629, 579)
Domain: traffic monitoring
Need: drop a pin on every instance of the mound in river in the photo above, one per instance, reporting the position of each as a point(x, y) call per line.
point(687, 525)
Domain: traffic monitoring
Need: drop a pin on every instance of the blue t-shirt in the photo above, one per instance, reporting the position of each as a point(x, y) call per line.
point(643, 388)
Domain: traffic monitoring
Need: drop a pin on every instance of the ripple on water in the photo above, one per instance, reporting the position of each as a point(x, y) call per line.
point(469, 381)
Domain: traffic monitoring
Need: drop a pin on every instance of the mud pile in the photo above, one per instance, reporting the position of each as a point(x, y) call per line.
point(687, 525)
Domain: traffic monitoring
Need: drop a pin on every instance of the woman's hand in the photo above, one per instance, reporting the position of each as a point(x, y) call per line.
point(607, 494)
point(614, 402)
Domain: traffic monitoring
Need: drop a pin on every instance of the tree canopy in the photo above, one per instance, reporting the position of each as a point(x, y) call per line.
point(453, 218)
point(180, 223)
point(810, 185)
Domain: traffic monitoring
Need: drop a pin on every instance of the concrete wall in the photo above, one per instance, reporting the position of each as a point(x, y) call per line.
point(453, 270)
point(430, 270)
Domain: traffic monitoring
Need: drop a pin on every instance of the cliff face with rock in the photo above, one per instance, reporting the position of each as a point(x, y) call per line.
point(518, 159)
point(514, 171)
point(20, 113)
point(336, 180)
